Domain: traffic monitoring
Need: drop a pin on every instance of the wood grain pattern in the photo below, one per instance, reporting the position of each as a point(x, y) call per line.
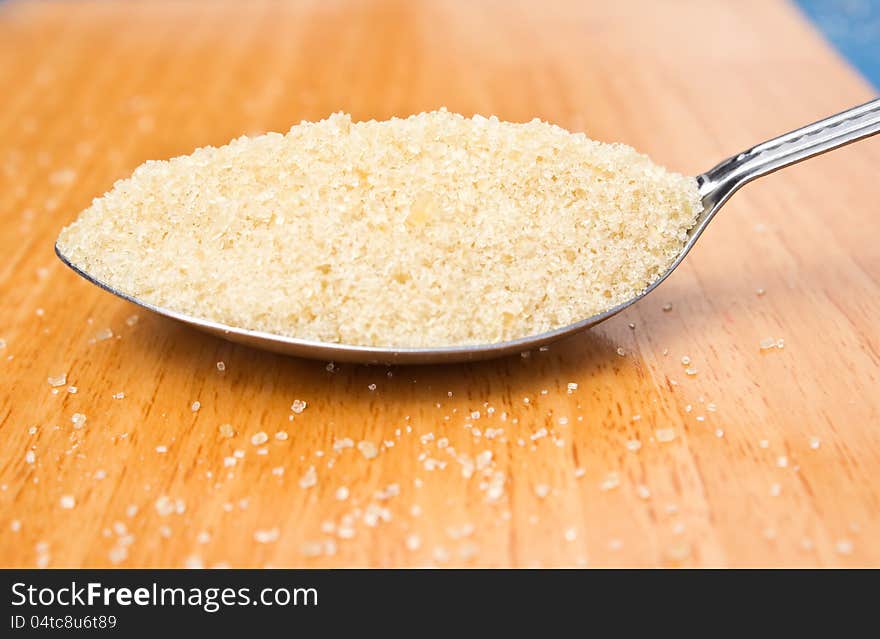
point(785, 471)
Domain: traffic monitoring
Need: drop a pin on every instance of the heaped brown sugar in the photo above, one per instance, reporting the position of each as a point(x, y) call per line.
point(427, 231)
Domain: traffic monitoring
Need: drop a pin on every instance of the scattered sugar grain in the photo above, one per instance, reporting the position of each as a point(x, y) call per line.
point(164, 506)
point(309, 479)
point(298, 406)
point(58, 380)
point(266, 536)
point(843, 547)
point(611, 481)
point(440, 554)
point(368, 449)
point(62, 177)
point(413, 542)
point(539, 434)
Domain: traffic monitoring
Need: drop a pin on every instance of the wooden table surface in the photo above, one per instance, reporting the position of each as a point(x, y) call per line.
point(774, 458)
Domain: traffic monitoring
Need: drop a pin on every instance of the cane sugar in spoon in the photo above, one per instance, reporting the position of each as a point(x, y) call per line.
point(430, 239)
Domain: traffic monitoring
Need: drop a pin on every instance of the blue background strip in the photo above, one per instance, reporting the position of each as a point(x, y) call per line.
point(853, 27)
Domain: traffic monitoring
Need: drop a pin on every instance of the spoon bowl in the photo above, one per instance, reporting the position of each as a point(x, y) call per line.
point(715, 186)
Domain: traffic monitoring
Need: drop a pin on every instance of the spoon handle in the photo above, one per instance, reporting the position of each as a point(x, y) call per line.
point(720, 182)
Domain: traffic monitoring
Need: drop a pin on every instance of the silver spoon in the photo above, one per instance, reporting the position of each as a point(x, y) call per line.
point(716, 186)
